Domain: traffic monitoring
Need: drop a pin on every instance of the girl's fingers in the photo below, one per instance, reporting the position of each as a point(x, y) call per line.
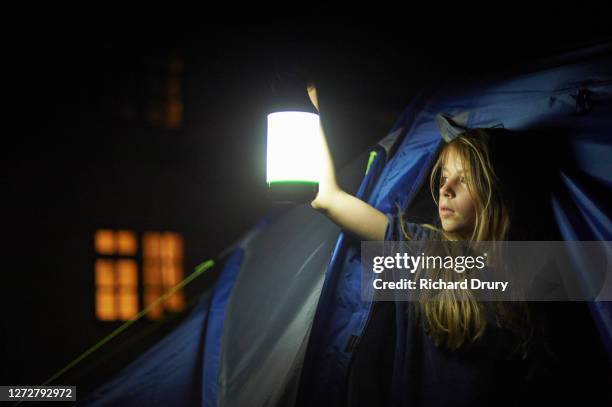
point(312, 94)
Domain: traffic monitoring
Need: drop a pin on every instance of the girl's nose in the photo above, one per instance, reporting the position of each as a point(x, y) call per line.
point(446, 190)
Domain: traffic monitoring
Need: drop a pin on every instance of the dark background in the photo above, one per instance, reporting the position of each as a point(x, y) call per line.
point(83, 150)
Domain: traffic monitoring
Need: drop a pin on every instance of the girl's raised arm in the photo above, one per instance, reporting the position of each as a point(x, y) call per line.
point(350, 213)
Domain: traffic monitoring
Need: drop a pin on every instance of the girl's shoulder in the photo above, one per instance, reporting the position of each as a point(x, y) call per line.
point(414, 230)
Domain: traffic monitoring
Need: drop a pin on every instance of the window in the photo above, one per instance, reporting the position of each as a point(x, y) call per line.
point(117, 279)
point(163, 269)
point(116, 275)
point(165, 105)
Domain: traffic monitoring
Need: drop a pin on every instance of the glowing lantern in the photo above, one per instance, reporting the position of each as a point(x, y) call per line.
point(294, 156)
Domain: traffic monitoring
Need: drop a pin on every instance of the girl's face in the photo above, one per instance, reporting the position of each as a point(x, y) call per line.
point(456, 205)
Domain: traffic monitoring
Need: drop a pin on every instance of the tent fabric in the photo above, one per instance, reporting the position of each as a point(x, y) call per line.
point(214, 328)
point(168, 374)
point(267, 317)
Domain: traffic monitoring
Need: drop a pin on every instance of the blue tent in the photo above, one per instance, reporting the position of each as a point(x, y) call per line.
point(283, 322)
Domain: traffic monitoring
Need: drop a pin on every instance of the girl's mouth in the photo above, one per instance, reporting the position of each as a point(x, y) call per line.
point(446, 211)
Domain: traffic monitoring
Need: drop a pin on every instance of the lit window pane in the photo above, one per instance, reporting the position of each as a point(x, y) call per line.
point(162, 269)
point(166, 272)
point(104, 241)
point(151, 245)
point(175, 302)
point(127, 272)
point(128, 303)
point(172, 245)
point(126, 243)
point(166, 247)
point(173, 274)
point(104, 273)
point(151, 294)
point(105, 305)
point(151, 272)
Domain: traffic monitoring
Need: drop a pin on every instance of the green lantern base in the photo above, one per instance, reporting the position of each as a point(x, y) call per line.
point(292, 191)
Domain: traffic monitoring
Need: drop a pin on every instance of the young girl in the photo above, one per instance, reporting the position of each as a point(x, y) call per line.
point(455, 352)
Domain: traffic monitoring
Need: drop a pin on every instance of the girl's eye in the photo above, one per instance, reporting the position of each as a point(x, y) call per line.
point(442, 180)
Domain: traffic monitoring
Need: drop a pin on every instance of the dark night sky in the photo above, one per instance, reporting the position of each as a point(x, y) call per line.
point(82, 156)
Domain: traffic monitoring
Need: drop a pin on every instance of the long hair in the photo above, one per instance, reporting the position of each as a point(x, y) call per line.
point(455, 317)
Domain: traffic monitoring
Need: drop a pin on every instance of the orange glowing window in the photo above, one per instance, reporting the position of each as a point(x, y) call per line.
point(119, 242)
point(162, 270)
point(116, 276)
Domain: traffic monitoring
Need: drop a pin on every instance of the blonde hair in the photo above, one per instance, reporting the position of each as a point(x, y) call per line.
point(455, 317)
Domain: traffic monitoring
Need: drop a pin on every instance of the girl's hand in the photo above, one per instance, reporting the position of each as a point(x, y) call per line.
point(312, 94)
